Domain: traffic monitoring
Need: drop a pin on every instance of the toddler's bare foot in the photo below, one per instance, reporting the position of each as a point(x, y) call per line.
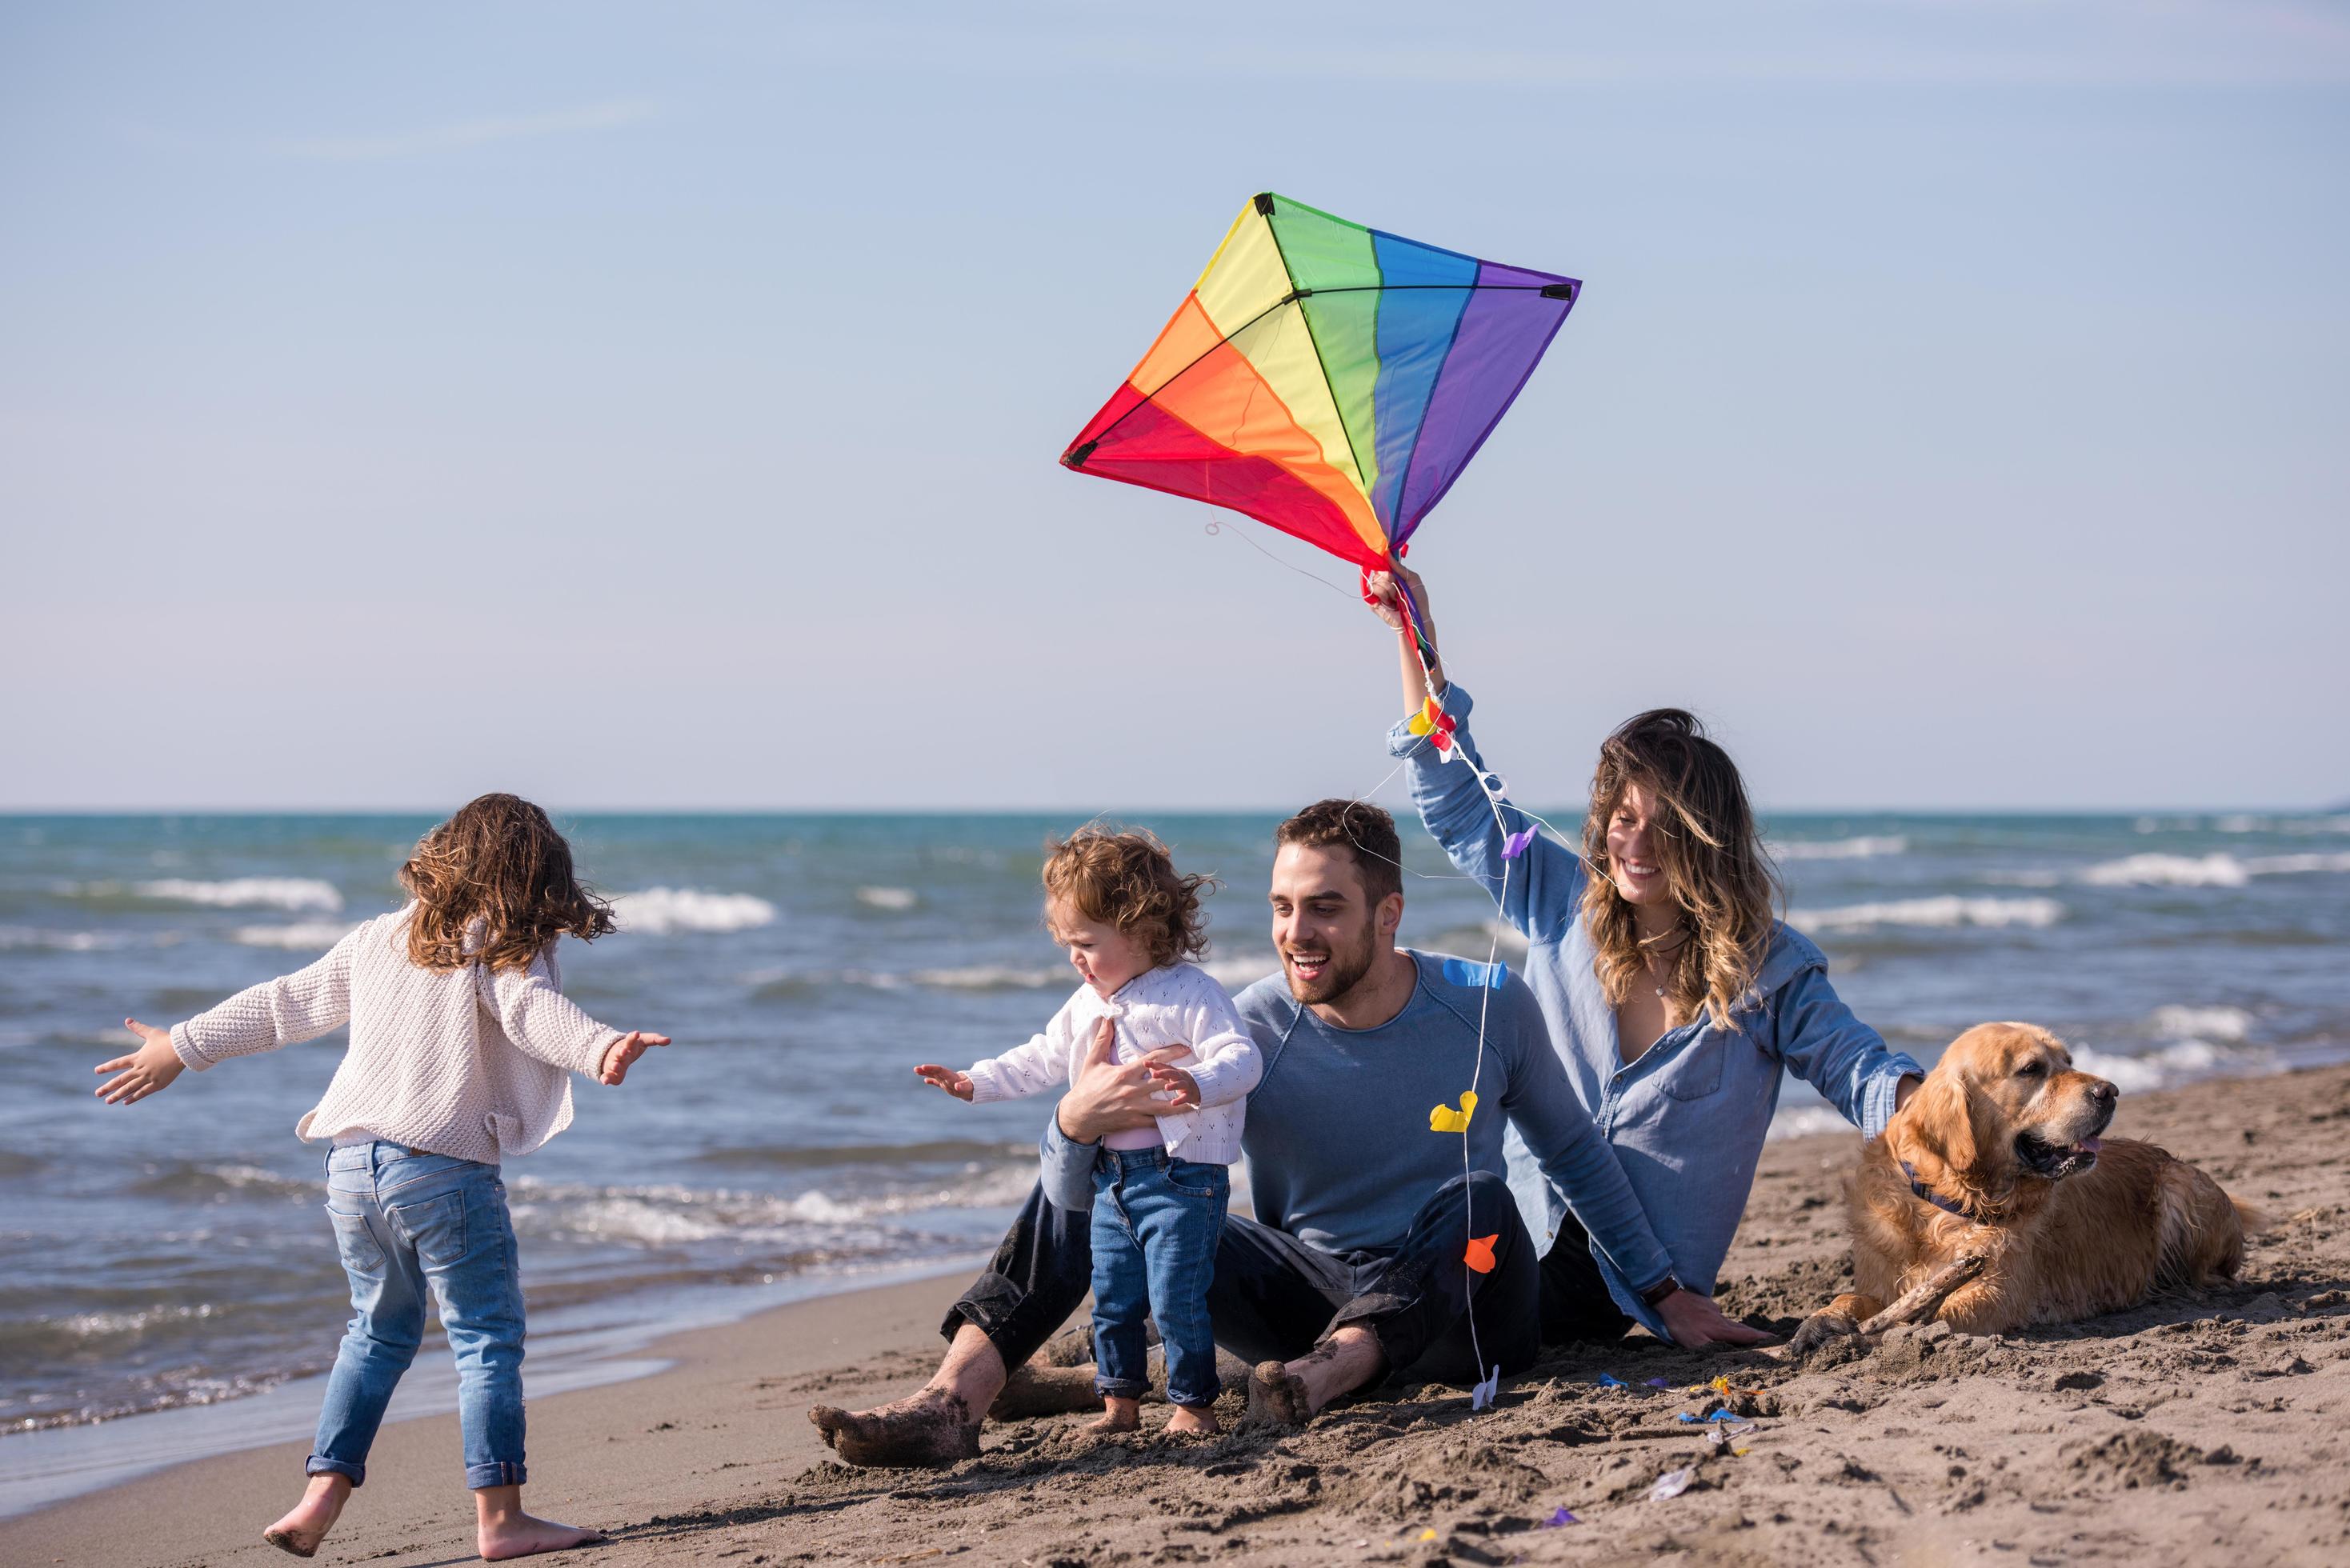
point(302, 1529)
point(1277, 1395)
point(521, 1535)
point(933, 1428)
point(1117, 1415)
point(1193, 1421)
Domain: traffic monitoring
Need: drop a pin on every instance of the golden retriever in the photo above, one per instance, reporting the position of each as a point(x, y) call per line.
point(1992, 1203)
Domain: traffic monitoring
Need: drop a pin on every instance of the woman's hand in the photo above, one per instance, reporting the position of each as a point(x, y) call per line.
point(146, 1071)
point(947, 1078)
point(1108, 1096)
point(1694, 1322)
point(1386, 598)
point(623, 1051)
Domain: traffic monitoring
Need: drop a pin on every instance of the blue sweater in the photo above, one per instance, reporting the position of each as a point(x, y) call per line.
point(1339, 1153)
point(1688, 1117)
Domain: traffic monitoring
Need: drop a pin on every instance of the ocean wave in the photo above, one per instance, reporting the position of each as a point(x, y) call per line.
point(1862, 849)
point(1245, 970)
point(2168, 871)
point(187, 1181)
point(897, 900)
point(2175, 1064)
point(666, 911)
point(2219, 869)
point(2245, 822)
point(969, 977)
point(294, 893)
point(1804, 1121)
point(2179, 1023)
point(1945, 911)
point(673, 1216)
point(35, 937)
point(303, 936)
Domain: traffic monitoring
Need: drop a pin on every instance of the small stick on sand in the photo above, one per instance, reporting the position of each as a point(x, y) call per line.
point(1924, 1298)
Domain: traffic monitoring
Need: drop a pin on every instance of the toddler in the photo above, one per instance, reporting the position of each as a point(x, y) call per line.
point(461, 1051)
point(1129, 924)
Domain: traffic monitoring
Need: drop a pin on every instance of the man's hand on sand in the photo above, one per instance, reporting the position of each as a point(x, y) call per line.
point(1108, 1096)
point(947, 1078)
point(1695, 1322)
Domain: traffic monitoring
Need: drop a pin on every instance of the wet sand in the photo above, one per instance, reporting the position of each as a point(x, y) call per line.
point(2187, 1430)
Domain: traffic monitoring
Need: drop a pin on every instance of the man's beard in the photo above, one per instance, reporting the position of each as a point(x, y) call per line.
point(1344, 970)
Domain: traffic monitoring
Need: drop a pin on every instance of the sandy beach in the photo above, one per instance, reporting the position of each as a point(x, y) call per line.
point(2187, 1430)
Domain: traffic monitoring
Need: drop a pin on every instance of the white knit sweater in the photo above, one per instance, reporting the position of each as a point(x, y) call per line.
point(1180, 1004)
point(465, 1063)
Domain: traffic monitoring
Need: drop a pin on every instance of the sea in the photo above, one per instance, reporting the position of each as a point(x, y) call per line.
point(169, 1286)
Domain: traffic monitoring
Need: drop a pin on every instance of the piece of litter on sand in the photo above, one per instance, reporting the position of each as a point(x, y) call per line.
point(1684, 1416)
point(1428, 1535)
point(1609, 1380)
point(1485, 1392)
point(1561, 1517)
point(1728, 1432)
point(1659, 1383)
point(1671, 1484)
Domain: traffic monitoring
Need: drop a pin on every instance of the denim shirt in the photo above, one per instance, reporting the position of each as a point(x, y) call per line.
point(1688, 1117)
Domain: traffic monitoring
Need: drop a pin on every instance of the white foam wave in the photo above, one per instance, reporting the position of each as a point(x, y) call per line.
point(1804, 1121)
point(2214, 870)
point(13, 937)
point(1862, 849)
point(296, 893)
point(667, 1216)
point(1945, 911)
point(2178, 1022)
point(973, 977)
point(2295, 864)
point(112, 1325)
point(2173, 1064)
point(2168, 871)
point(665, 912)
point(1246, 970)
point(895, 900)
point(2251, 823)
point(304, 936)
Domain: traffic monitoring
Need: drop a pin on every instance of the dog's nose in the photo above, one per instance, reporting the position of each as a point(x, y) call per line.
point(2105, 1094)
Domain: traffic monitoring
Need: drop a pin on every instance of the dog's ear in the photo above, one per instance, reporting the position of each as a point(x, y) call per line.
point(1939, 1120)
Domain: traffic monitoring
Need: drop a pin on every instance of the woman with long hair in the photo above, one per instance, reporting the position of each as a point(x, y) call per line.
point(1675, 998)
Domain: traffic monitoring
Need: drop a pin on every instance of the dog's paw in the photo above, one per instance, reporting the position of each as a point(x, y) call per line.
point(1818, 1329)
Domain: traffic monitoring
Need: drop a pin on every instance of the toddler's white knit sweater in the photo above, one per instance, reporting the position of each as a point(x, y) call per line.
point(466, 1062)
point(1180, 1004)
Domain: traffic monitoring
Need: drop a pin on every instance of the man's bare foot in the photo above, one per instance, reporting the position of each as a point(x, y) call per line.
point(1117, 1415)
point(1044, 1390)
point(302, 1529)
point(1277, 1395)
point(932, 1429)
point(1193, 1421)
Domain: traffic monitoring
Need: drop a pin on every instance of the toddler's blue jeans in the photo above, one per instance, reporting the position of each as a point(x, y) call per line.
point(408, 1223)
point(1155, 1224)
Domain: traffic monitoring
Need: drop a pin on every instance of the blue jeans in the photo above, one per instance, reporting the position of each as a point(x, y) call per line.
point(406, 1221)
point(1155, 1225)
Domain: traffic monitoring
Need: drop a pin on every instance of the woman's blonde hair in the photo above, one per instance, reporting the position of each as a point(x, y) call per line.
point(1711, 852)
point(498, 861)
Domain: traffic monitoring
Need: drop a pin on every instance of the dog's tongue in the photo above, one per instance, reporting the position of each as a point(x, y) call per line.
point(2092, 1144)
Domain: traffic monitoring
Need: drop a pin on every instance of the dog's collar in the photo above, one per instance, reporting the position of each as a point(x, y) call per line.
point(1930, 1195)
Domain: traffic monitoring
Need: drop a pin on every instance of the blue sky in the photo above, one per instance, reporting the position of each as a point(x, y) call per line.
point(651, 407)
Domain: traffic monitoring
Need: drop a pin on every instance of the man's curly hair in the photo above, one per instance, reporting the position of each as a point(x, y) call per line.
point(1126, 878)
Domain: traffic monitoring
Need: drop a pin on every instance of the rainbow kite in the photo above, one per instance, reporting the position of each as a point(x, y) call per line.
point(1326, 378)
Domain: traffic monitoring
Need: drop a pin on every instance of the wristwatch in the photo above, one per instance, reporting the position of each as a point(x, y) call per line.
point(1655, 1294)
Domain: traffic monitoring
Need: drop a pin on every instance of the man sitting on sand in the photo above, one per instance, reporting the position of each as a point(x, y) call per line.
point(1354, 1265)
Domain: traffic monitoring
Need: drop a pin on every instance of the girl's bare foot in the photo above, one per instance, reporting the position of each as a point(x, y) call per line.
point(302, 1529)
point(1193, 1421)
point(502, 1530)
point(1117, 1415)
